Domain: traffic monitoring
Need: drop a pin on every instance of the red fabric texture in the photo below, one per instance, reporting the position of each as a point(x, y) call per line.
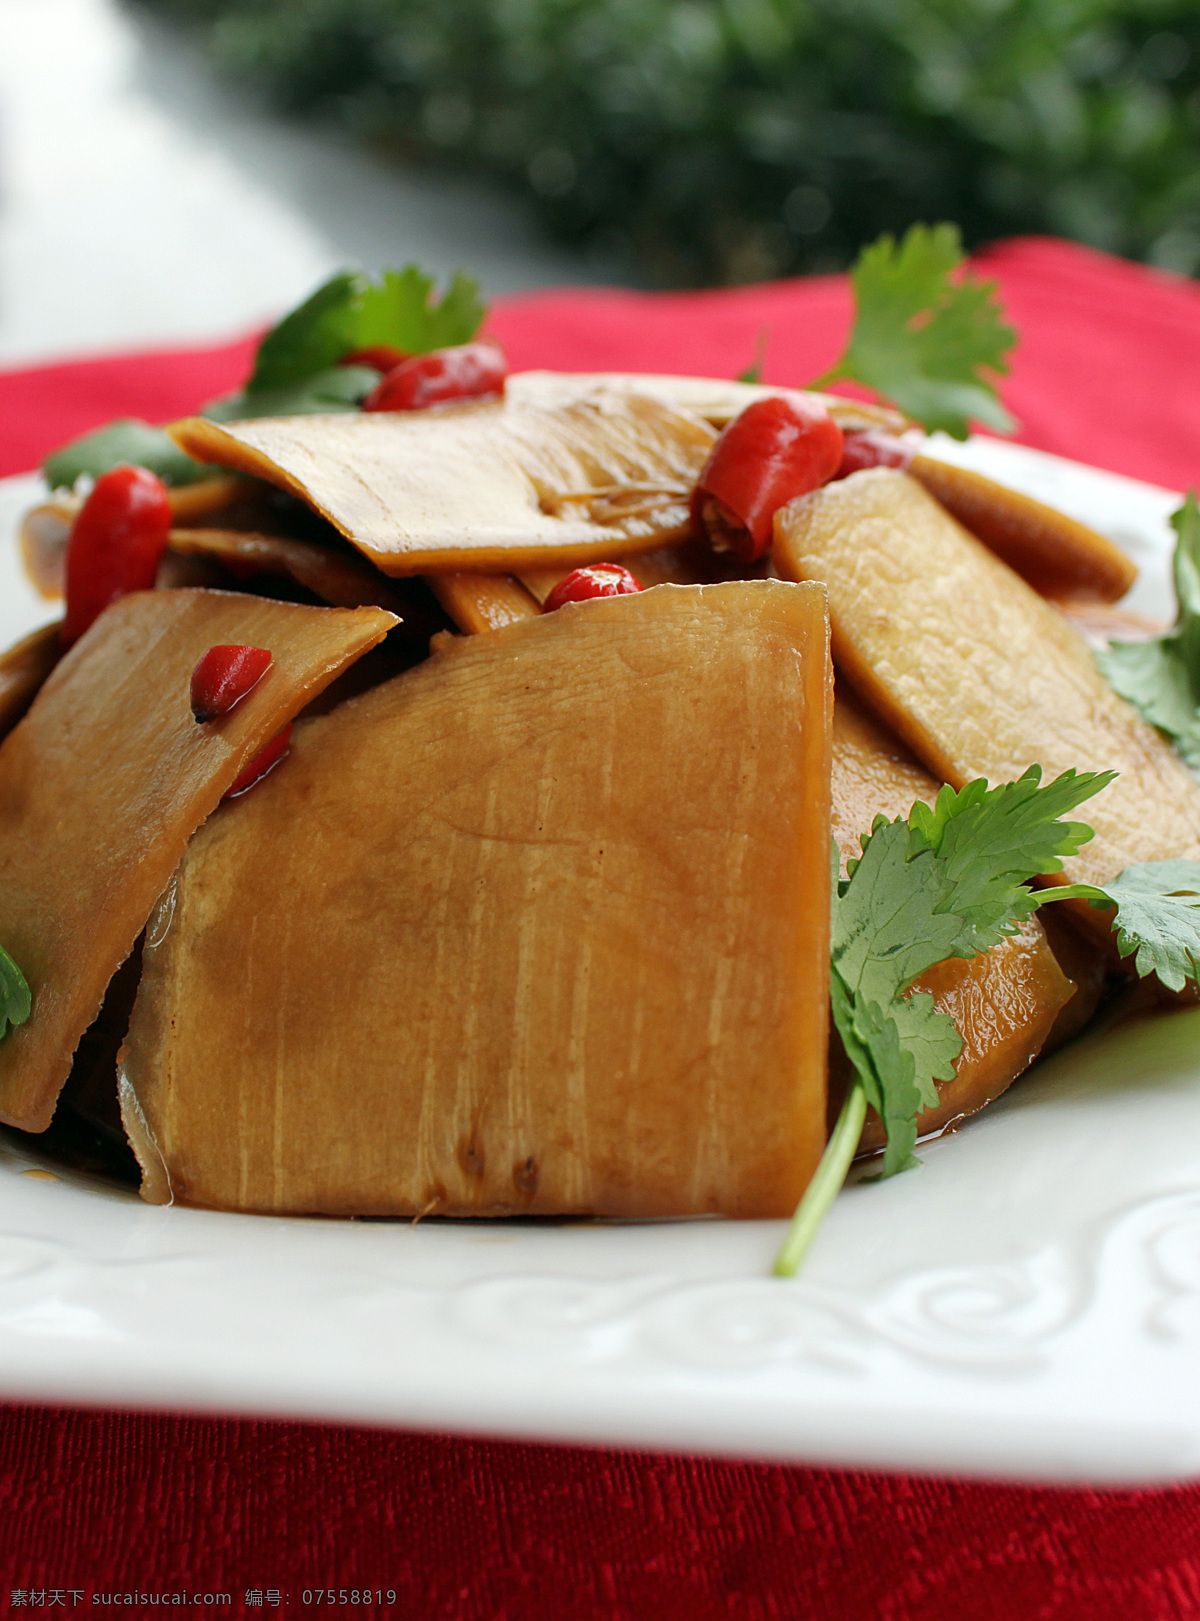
point(1104, 371)
point(104, 1503)
point(463, 1530)
point(42, 408)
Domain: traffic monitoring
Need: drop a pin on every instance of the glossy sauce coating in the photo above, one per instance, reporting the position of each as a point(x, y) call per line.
point(23, 669)
point(521, 945)
point(717, 399)
point(479, 602)
point(342, 582)
point(106, 779)
point(1059, 557)
point(977, 673)
point(487, 486)
point(1005, 1004)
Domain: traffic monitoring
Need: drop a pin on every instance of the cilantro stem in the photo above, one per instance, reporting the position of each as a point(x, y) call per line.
point(826, 1183)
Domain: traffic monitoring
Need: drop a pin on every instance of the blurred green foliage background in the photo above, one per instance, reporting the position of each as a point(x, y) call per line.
point(702, 141)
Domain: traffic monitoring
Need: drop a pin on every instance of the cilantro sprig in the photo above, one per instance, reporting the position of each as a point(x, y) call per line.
point(1156, 916)
point(948, 882)
point(952, 881)
point(926, 337)
point(296, 370)
point(336, 389)
point(1161, 677)
point(350, 312)
point(129, 442)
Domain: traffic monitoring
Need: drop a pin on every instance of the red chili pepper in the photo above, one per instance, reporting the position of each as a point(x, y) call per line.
point(265, 760)
point(874, 448)
point(470, 371)
point(774, 451)
point(596, 580)
point(383, 356)
point(115, 545)
point(223, 677)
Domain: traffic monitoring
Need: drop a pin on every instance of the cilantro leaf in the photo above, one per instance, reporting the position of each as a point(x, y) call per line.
point(923, 340)
point(350, 312)
point(311, 338)
point(950, 881)
point(1158, 917)
point(15, 1000)
point(993, 840)
point(898, 1053)
point(340, 388)
point(892, 917)
point(296, 369)
point(1156, 681)
point(1156, 907)
point(126, 442)
point(399, 312)
point(1161, 677)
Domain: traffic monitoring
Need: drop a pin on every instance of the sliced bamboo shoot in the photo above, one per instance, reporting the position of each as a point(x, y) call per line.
point(485, 486)
point(975, 671)
point(1059, 557)
point(521, 945)
point(478, 602)
point(45, 529)
point(107, 778)
point(342, 582)
point(873, 775)
point(716, 399)
point(23, 669)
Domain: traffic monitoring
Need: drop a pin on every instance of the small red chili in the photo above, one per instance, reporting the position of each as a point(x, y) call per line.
point(596, 580)
point(267, 758)
point(383, 356)
point(874, 448)
point(470, 371)
point(223, 677)
point(774, 451)
point(115, 545)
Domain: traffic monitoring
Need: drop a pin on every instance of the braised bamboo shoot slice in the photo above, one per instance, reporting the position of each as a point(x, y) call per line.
point(1061, 558)
point(479, 602)
point(23, 669)
point(976, 672)
point(481, 487)
point(342, 582)
point(45, 529)
point(42, 538)
point(106, 779)
point(521, 945)
point(716, 399)
point(874, 774)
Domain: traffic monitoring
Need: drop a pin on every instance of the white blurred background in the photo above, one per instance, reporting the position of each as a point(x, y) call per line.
point(141, 202)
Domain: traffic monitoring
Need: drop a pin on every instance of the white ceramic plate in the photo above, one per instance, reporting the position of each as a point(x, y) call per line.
point(1027, 1304)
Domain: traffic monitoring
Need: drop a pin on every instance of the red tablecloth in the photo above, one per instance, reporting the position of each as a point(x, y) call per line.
point(101, 1504)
